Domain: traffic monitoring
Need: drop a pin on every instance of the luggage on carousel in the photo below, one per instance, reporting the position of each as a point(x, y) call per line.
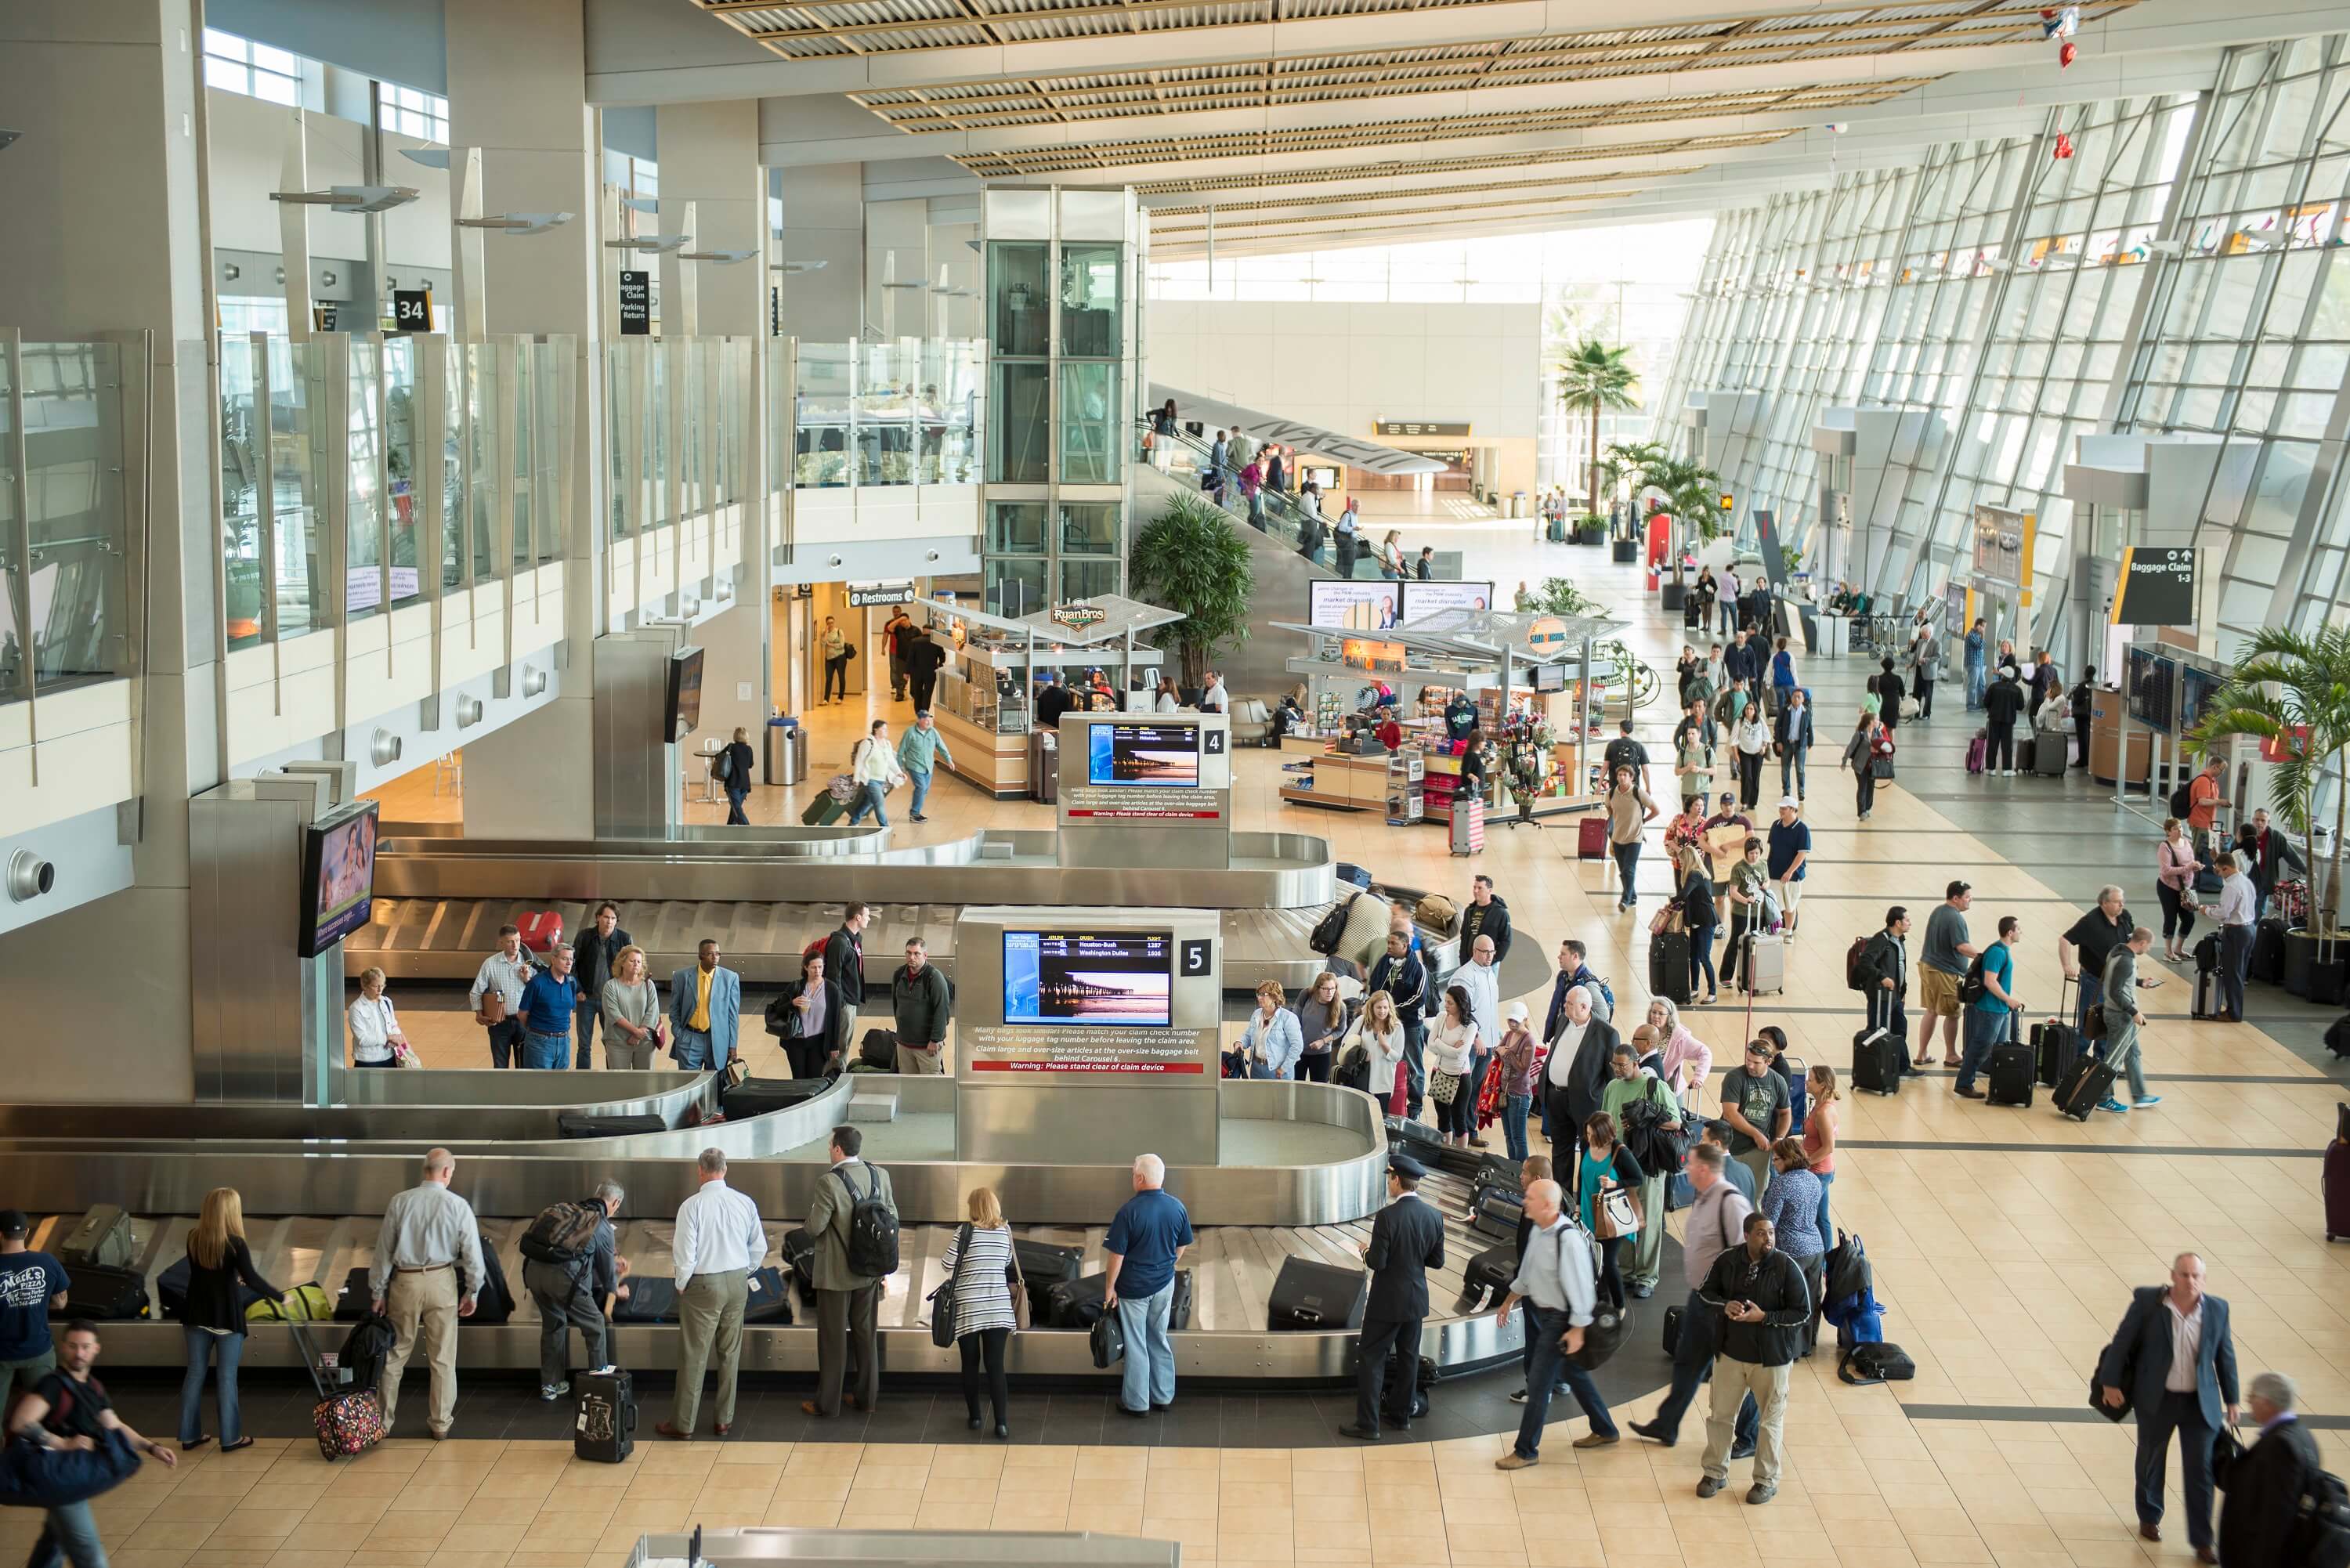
point(105, 1295)
point(1489, 1274)
point(578, 1124)
point(102, 1238)
point(1044, 1265)
point(1311, 1297)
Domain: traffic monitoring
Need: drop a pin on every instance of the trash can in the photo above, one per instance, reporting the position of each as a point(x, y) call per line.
point(1517, 504)
point(787, 752)
point(1044, 765)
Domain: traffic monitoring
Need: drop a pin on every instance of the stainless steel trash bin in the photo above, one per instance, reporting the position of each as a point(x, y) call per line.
point(1043, 766)
point(787, 749)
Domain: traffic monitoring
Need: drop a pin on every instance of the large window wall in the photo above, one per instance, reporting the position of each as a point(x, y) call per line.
point(62, 540)
point(2174, 274)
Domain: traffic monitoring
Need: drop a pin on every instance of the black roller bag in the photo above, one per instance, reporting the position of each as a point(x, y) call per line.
point(1490, 1271)
point(1044, 1265)
point(757, 1096)
point(1310, 1297)
point(1496, 1211)
point(651, 1298)
point(105, 1295)
point(1668, 962)
point(1077, 1303)
point(2268, 950)
point(605, 1430)
point(577, 1124)
point(1500, 1170)
point(2054, 1046)
point(2012, 1078)
point(1878, 1055)
point(2085, 1088)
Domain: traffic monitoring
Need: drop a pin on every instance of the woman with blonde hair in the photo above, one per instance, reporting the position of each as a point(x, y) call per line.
point(212, 1316)
point(1821, 1120)
point(632, 1012)
point(979, 1262)
point(376, 1037)
point(1381, 1029)
point(1275, 1042)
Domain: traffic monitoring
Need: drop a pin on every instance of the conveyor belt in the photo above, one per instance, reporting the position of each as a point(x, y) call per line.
point(1233, 1266)
point(446, 938)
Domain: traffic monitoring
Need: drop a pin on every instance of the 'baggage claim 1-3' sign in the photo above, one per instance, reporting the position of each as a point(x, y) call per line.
point(2157, 588)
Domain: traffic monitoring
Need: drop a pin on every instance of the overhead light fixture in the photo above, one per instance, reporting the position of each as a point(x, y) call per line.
point(8, 136)
point(384, 748)
point(351, 198)
point(469, 711)
point(724, 258)
point(2166, 247)
point(662, 244)
point(794, 267)
point(641, 204)
point(534, 680)
point(517, 223)
point(431, 157)
point(29, 875)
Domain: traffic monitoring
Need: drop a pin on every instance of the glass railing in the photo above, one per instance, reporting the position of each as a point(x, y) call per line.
point(907, 411)
point(62, 535)
point(408, 466)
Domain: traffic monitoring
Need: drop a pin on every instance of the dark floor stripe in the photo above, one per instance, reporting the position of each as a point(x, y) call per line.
point(2150, 1077)
point(2067, 1413)
point(2171, 1150)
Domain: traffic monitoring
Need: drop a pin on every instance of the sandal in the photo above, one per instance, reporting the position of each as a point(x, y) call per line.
point(192, 1444)
point(240, 1443)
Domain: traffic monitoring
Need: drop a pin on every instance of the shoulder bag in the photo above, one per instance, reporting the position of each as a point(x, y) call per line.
point(1611, 1210)
point(942, 1300)
point(1019, 1285)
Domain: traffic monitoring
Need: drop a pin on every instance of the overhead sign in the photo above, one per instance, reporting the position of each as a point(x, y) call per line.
point(2157, 588)
point(1728, 501)
point(1077, 618)
point(897, 592)
point(324, 315)
point(1546, 638)
point(411, 309)
point(1419, 427)
point(635, 304)
point(1999, 554)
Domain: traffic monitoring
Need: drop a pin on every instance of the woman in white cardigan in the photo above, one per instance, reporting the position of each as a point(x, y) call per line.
point(874, 767)
point(376, 1038)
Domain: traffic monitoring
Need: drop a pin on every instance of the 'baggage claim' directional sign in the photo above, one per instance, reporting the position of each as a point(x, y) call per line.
point(2157, 588)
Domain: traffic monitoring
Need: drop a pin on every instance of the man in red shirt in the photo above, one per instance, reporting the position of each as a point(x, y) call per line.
point(2203, 802)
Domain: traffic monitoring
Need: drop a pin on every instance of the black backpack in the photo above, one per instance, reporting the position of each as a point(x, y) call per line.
point(723, 767)
point(366, 1348)
point(562, 1233)
point(872, 1229)
point(1972, 990)
point(2182, 800)
point(2322, 1538)
point(1331, 926)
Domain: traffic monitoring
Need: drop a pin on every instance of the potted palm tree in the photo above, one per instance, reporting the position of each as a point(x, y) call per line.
point(2291, 692)
point(1593, 379)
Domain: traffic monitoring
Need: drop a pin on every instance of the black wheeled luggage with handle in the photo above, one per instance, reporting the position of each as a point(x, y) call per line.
point(2012, 1078)
point(105, 1295)
point(2088, 1086)
point(2268, 950)
point(2051, 754)
point(757, 1096)
point(605, 1430)
point(1878, 1055)
point(1311, 1298)
point(1668, 962)
point(1489, 1274)
point(1044, 1265)
point(1496, 1211)
point(578, 1123)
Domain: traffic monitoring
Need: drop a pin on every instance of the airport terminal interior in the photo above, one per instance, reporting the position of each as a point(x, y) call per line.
point(1013, 553)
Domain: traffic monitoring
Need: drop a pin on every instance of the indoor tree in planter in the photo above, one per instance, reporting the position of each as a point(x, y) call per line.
point(1190, 559)
point(1592, 379)
point(2292, 689)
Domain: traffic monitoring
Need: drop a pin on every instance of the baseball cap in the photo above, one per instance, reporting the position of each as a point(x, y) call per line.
point(12, 1223)
point(1789, 802)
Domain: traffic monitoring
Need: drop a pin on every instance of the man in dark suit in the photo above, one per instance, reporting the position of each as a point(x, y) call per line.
point(1406, 1241)
point(1576, 1077)
point(2265, 1483)
point(2174, 1361)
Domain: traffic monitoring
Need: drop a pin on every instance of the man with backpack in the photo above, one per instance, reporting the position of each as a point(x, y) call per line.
point(569, 1266)
point(719, 1243)
point(854, 1224)
point(1988, 995)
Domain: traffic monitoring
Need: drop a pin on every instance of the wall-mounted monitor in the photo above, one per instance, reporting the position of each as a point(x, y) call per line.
point(1426, 598)
point(338, 877)
point(2152, 683)
point(685, 704)
point(2197, 687)
point(1124, 753)
point(1119, 977)
point(1354, 606)
point(1550, 677)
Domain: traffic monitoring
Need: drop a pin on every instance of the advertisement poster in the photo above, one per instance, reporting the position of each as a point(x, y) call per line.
point(1354, 606)
point(1427, 598)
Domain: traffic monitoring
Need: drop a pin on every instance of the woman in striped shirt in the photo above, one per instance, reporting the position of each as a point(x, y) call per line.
point(982, 1304)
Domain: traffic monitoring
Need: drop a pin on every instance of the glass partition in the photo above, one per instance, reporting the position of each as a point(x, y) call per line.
point(951, 368)
point(1092, 433)
point(74, 588)
point(886, 425)
point(363, 475)
point(554, 401)
point(1019, 419)
point(896, 413)
point(619, 412)
point(293, 488)
point(822, 417)
point(400, 422)
point(523, 366)
point(453, 394)
point(12, 590)
point(1089, 300)
point(485, 427)
point(1020, 304)
point(243, 448)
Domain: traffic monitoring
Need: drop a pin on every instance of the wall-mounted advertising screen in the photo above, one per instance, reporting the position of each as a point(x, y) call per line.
point(1122, 977)
point(2196, 688)
point(1354, 606)
point(2152, 686)
point(1550, 677)
point(1163, 754)
point(684, 706)
point(1427, 598)
point(338, 877)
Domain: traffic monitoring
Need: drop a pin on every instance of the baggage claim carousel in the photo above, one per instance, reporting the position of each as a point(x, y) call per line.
point(1301, 1172)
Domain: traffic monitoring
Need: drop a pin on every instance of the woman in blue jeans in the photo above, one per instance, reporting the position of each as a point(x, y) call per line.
point(1699, 914)
point(212, 1315)
point(874, 769)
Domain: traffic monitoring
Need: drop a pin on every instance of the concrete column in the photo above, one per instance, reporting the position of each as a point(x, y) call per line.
point(105, 239)
point(710, 157)
point(824, 220)
point(517, 90)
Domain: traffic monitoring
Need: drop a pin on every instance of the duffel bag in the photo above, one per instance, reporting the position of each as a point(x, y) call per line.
point(34, 1477)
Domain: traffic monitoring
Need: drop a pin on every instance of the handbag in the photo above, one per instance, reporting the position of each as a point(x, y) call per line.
point(1442, 1085)
point(942, 1300)
point(2092, 1027)
point(1106, 1340)
point(1668, 920)
point(1612, 1209)
point(493, 1008)
point(1019, 1283)
point(1880, 767)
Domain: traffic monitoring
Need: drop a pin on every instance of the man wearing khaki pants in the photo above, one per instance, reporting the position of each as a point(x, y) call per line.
point(719, 1242)
point(428, 1266)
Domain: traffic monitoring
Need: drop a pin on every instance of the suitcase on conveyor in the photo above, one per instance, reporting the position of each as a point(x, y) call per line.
point(1311, 1298)
point(102, 1239)
point(651, 1298)
point(1489, 1274)
point(1043, 1266)
point(578, 1123)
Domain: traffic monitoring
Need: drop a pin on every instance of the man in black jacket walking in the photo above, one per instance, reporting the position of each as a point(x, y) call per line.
point(1406, 1241)
point(2265, 1483)
point(1766, 1309)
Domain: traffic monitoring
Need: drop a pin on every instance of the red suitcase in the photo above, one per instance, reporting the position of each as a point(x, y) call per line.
point(541, 931)
point(1591, 838)
point(2337, 1178)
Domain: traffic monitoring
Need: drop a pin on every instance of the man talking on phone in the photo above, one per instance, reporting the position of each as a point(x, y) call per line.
point(1767, 1308)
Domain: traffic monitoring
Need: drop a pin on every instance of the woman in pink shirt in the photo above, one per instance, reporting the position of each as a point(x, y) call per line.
point(1685, 1062)
point(2175, 866)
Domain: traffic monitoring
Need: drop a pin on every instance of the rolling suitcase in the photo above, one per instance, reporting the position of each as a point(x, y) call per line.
point(1075, 1304)
point(1468, 826)
point(2084, 1088)
point(1489, 1274)
point(2268, 950)
point(1765, 968)
point(605, 1429)
point(106, 1294)
point(577, 1124)
point(2055, 1044)
point(2012, 1078)
point(348, 1417)
point(541, 930)
point(1668, 962)
point(1310, 1297)
point(2051, 754)
point(102, 1238)
point(2337, 1177)
point(1591, 838)
point(1425, 1140)
point(2205, 995)
point(1878, 1055)
point(1500, 1170)
point(1044, 1265)
point(651, 1298)
point(757, 1096)
point(1977, 750)
point(823, 811)
point(1496, 1212)
point(768, 1301)
point(2027, 753)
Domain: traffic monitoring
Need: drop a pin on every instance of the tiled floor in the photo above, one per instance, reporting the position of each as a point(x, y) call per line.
point(2004, 1241)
